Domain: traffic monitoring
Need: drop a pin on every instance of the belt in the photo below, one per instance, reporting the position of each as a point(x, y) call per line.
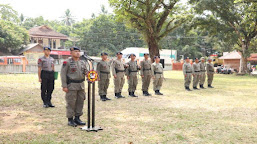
point(133, 71)
point(104, 72)
point(197, 71)
point(117, 71)
point(157, 72)
point(146, 69)
point(188, 72)
point(50, 72)
point(74, 81)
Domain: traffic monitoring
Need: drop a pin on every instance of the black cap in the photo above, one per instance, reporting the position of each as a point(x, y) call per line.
point(74, 48)
point(47, 48)
point(146, 54)
point(119, 53)
point(131, 55)
point(104, 53)
point(187, 58)
point(156, 57)
point(196, 59)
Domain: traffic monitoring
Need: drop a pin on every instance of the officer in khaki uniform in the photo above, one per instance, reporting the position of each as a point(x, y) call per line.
point(103, 70)
point(157, 75)
point(196, 73)
point(131, 73)
point(46, 77)
point(73, 76)
point(187, 71)
point(118, 71)
point(210, 72)
point(145, 73)
point(203, 70)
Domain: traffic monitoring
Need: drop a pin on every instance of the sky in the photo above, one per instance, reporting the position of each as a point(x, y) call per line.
point(54, 9)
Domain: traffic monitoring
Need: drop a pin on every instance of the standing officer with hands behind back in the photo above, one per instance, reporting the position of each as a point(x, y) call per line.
point(46, 77)
point(145, 73)
point(73, 76)
point(157, 75)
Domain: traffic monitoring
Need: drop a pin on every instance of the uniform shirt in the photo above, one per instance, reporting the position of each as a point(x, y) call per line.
point(202, 67)
point(74, 70)
point(157, 69)
point(132, 68)
point(103, 69)
point(119, 66)
point(210, 68)
point(187, 68)
point(45, 63)
point(145, 67)
point(196, 67)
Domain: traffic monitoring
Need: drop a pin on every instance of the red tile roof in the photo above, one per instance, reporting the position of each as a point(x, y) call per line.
point(253, 57)
point(231, 55)
point(45, 31)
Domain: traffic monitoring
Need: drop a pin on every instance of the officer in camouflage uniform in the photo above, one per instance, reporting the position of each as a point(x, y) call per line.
point(103, 70)
point(196, 73)
point(210, 72)
point(131, 73)
point(73, 76)
point(46, 77)
point(187, 71)
point(145, 73)
point(157, 75)
point(203, 70)
point(118, 71)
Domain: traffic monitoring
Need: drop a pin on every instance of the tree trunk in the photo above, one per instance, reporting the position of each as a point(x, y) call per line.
point(153, 47)
point(243, 61)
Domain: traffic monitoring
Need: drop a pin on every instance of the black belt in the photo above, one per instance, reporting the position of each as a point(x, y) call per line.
point(50, 72)
point(75, 81)
point(188, 72)
point(133, 71)
point(157, 72)
point(197, 71)
point(117, 71)
point(104, 72)
point(146, 69)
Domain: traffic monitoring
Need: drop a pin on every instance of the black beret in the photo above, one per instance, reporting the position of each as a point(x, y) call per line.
point(156, 57)
point(104, 53)
point(187, 58)
point(146, 53)
point(132, 54)
point(119, 53)
point(47, 48)
point(196, 58)
point(74, 48)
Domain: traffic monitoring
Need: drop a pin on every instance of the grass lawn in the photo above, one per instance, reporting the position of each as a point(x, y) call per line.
point(225, 114)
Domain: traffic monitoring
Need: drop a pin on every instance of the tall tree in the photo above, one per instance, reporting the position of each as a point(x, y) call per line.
point(154, 19)
point(68, 19)
point(7, 13)
point(237, 19)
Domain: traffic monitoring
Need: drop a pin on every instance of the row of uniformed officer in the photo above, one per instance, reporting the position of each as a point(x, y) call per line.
point(198, 70)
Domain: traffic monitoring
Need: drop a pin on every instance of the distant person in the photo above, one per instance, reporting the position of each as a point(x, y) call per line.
point(196, 73)
point(202, 73)
point(103, 70)
point(46, 77)
point(187, 71)
point(157, 75)
point(210, 72)
point(73, 74)
point(145, 73)
point(118, 72)
point(131, 73)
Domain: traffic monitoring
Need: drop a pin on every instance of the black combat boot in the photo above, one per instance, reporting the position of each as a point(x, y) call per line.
point(201, 86)
point(188, 89)
point(117, 95)
point(133, 94)
point(106, 98)
point(78, 121)
point(144, 93)
point(147, 93)
point(45, 105)
point(130, 94)
point(50, 104)
point(209, 86)
point(195, 88)
point(102, 98)
point(71, 122)
point(157, 92)
point(121, 96)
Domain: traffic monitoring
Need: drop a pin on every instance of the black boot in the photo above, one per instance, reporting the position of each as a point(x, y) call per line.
point(71, 122)
point(144, 93)
point(106, 98)
point(117, 95)
point(201, 86)
point(102, 98)
point(45, 105)
point(147, 93)
point(50, 104)
point(133, 94)
point(130, 94)
point(188, 89)
point(157, 92)
point(121, 96)
point(195, 88)
point(78, 121)
point(209, 86)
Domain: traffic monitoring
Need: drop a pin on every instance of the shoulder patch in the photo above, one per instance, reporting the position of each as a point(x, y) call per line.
point(64, 63)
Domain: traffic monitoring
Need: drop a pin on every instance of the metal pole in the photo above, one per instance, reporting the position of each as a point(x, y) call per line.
point(93, 105)
point(88, 105)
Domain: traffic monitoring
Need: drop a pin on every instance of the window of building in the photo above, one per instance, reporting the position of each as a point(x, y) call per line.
point(54, 44)
point(17, 60)
point(1, 60)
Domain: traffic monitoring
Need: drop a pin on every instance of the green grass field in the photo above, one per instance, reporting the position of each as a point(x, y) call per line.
point(225, 114)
